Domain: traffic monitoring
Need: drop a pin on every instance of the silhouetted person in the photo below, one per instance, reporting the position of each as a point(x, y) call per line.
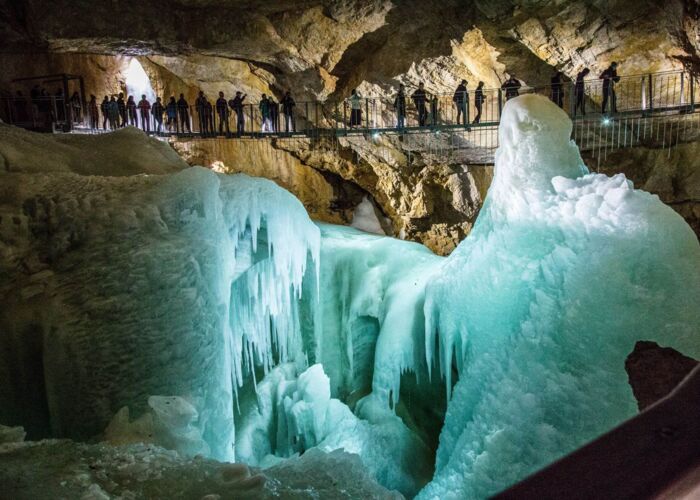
point(236, 104)
point(419, 98)
point(274, 114)
point(209, 116)
point(400, 107)
point(264, 107)
point(610, 78)
point(199, 105)
point(461, 100)
point(580, 91)
point(157, 111)
point(113, 113)
point(511, 87)
point(183, 112)
point(131, 111)
point(145, 112)
point(288, 110)
point(76, 108)
point(222, 112)
point(93, 113)
point(122, 109)
point(355, 109)
point(557, 89)
point(478, 101)
point(104, 106)
point(171, 112)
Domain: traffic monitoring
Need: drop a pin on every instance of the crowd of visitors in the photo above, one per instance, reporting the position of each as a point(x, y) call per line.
point(176, 116)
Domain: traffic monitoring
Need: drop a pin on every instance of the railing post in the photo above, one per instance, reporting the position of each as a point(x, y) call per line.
point(650, 84)
point(572, 99)
point(366, 113)
point(682, 89)
point(692, 93)
point(643, 95)
point(500, 104)
point(306, 113)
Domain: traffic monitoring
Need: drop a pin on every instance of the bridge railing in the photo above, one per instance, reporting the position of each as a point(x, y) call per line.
point(674, 91)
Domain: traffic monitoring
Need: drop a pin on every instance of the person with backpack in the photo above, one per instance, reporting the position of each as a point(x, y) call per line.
point(511, 87)
point(479, 101)
point(236, 105)
point(183, 112)
point(222, 111)
point(171, 113)
point(580, 91)
point(461, 100)
point(419, 98)
point(199, 106)
point(400, 107)
point(157, 111)
point(209, 116)
point(610, 78)
point(288, 110)
point(104, 105)
point(121, 105)
point(131, 111)
point(145, 112)
point(557, 85)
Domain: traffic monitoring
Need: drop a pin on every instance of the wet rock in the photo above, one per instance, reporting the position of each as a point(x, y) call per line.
point(654, 371)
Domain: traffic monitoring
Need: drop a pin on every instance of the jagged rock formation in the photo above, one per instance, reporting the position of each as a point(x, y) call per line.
point(322, 49)
point(654, 371)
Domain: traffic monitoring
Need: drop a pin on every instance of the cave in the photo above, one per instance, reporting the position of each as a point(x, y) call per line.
point(349, 249)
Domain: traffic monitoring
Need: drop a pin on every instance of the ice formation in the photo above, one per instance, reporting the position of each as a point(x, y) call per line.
point(539, 306)
point(211, 316)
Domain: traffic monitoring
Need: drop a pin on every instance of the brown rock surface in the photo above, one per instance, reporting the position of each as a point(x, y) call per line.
point(654, 371)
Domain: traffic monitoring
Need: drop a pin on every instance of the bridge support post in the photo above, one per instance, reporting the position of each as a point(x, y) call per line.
point(650, 93)
point(500, 104)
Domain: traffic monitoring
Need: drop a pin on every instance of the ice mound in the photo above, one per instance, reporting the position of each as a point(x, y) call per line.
point(126, 151)
point(65, 469)
point(539, 306)
point(147, 285)
point(295, 414)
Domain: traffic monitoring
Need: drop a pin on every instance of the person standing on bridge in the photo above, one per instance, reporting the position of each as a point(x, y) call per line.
point(131, 111)
point(355, 109)
point(200, 107)
point(557, 89)
point(76, 108)
point(274, 113)
point(419, 98)
point(157, 112)
point(183, 112)
point(400, 107)
point(171, 112)
point(104, 105)
point(478, 101)
point(511, 87)
point(222, 111)
point(461, 100)
point(236, 105)
point(264, 107)
point(93, 113)
point(288, 109)
point(113, 113)
point(122, 109)
point(580, 91)
point(610, 78)
point(145, 112)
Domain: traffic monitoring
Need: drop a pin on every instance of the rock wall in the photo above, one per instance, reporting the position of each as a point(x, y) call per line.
point(321, 49)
